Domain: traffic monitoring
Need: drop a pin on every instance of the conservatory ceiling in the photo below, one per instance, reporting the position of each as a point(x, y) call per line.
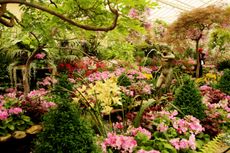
point(169, 10)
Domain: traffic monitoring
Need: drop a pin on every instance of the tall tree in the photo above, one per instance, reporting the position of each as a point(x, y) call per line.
point(43, 19)
point(192, 25)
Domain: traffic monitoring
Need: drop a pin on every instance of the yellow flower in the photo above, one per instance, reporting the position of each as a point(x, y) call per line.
point(105, 93)
point(107, 110)
point(210, 76)
point(148, 76)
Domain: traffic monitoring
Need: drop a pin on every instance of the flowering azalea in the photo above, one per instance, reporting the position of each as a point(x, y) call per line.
point(40, 55)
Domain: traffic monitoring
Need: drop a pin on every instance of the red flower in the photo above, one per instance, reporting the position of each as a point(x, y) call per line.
point(200, 50)
point(68, 66)
point(88, 72)
point(61, 65)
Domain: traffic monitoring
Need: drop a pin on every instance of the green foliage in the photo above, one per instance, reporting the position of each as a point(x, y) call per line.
point(146, 61)
point(226, 138)
point(219, 38)
point(224, 83)
point(225, 64)
point(158, 143)
point(14, 123)
point(138, 117)
point(117, 50)
point(65, 131)
point(123, 80)
point(214, 145)
point(188, 99)
point(4, 77)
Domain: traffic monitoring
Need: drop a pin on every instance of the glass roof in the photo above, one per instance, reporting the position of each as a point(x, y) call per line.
point(169, 10)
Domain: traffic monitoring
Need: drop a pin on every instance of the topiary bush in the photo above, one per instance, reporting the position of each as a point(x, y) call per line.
point(224, 83)
point(64, 129)
point(65, 132)
point(188, 99)
point(225, 64)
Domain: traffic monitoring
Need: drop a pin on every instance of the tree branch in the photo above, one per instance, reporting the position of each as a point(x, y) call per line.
point(64, 18)
point(51, 2)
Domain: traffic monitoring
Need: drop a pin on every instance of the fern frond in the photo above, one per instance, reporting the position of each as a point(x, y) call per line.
point(215, 146)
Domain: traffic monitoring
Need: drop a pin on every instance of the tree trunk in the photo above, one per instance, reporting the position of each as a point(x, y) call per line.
point(25, 80)
point(198, 65)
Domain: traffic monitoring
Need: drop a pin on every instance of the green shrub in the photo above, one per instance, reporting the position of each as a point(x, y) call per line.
point(188, 99)
point(146, 61)
point(65, 132)
point(123, 80)
point(225, 64)
point(224, 83)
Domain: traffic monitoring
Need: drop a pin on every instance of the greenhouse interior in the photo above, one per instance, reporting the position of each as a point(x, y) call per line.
point(115, 76)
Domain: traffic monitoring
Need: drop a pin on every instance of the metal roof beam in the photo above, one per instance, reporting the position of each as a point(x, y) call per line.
point(174, 5)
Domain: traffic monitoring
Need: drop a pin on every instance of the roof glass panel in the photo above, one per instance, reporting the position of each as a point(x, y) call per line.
point(169, 10)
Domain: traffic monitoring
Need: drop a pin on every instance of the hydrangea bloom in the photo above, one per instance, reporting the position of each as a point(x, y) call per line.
point(184, 143)
point(190, 123)
point(162, 127)
point(37, 93)
point(135, 131)
point(151, 151)
point(119, 142)
point(15, 110)
point(97, 76)
point(47, 105)
point(3, 114)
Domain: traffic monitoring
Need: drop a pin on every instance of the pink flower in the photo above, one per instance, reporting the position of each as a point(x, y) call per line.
point(184, 144)
point(99, 76)
point(135, 131)
point(173, 114)
point(15, 110)
point(133, 13)
point(147, 89)
point(175, 142)
point(37, 93)
point(47, 105)
point(162, 127)
point(192, 142)
point(40, 55)
point(145, 70)
point(228, 116)
point(10, 90)
point(148, 25)
point(205, 88)
point(3, 114)
point(71, 80)
point(191, 61)
point(119, 71)
point(11, 95)
point(118, 125)
point(151, 151)
point(120, 142)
